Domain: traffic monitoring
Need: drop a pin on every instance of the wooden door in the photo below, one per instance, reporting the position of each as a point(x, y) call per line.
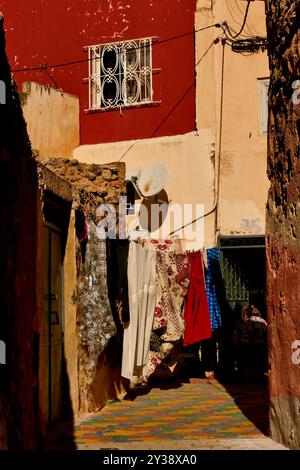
point(53, 341)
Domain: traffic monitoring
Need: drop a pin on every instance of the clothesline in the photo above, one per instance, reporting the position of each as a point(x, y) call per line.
point(155, 293)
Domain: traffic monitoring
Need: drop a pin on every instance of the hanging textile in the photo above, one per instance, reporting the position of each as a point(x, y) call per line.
point(212, 278)
point(196, 312)
point(173, 280)
point(142, 300)
point(117, 280)
point(173, 271)
point(95, 320)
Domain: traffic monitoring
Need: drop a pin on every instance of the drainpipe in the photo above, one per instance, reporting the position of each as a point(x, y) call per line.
point(218, 169)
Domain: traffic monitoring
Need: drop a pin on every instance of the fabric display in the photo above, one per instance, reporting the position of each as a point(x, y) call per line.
point(154, 294)
point(95, 321)
point(212, 279)
point(196, 312)
point(172, 279)
point(142, 300)
point(117, 280)
point(172, 270)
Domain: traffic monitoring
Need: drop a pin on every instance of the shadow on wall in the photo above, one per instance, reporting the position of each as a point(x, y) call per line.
point(60, 436)
point(21, 426)
point(154, 211)
point(109, 372)
point(18, 240)
point(67, 407)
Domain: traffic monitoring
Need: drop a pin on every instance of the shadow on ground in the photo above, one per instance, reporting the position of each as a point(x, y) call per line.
point(252, 398)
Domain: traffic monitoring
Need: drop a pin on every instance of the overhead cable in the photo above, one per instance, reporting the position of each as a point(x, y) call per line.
point(215, 41)
point(244, 22)
point(74, 62)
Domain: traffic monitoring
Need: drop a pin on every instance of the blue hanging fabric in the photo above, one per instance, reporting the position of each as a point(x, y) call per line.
point(213, 266)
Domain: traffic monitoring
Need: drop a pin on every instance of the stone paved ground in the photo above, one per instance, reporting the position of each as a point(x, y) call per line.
point(197, 414)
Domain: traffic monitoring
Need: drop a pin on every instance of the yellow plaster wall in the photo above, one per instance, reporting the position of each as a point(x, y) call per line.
point(52, 118)
point(192, 158)
point(70, 332)
point(243, 180)
point(191, 172)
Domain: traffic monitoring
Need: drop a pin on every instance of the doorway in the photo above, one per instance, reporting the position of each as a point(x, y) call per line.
point(53, 289)
point(243, 264)
point(56, 217)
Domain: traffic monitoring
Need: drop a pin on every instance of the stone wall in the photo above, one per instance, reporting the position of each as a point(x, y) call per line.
point(19, 401)
point(104, 183)
point(283, 222)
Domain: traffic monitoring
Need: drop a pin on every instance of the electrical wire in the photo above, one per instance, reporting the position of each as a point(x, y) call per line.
point(232, 33)
point(250, 45)
point(226, 40)
point(233, 18)
point(217, 185)
point(250, 25)
point(245, 45)
point(215, 41)
point(226, 29)
point(231, 14)
point(220, 142)
point(247, 28)
point(245, 19)
point(75, 62)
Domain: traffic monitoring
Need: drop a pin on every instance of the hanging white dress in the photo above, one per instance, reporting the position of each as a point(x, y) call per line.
point(142, 301)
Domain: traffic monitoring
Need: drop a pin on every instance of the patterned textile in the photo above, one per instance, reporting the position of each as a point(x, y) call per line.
point(213, 263)
point(166, 245)
point(95, 320)
point(173, 272)
point(162, 365)
point(163, 249)
point(155, 342)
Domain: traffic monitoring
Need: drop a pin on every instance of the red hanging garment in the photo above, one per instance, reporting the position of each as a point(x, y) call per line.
point(196, 311)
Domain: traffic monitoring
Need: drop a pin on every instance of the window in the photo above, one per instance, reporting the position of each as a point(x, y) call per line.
point(264, 88)
point(120, 74)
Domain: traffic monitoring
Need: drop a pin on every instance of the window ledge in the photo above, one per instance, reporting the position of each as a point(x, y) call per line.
point(121, 108)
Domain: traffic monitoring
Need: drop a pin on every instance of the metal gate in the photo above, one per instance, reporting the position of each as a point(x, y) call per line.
point(243, 270)
point(236, 283)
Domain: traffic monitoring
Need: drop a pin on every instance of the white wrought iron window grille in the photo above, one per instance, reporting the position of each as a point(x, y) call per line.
point(120, 74)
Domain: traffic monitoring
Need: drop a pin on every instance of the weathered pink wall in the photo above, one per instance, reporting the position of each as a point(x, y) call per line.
point(19, 387)
point(283, 222)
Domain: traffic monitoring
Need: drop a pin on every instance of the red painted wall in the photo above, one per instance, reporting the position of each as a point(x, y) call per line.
point(43, 32)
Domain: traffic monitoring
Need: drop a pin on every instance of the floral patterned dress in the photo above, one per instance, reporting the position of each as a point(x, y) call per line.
point(173, 272)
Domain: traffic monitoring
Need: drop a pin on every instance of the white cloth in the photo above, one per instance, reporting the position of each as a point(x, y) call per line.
point(142, 301)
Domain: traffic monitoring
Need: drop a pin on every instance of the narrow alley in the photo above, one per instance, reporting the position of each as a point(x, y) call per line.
point(149, 226)
point(195, 414)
